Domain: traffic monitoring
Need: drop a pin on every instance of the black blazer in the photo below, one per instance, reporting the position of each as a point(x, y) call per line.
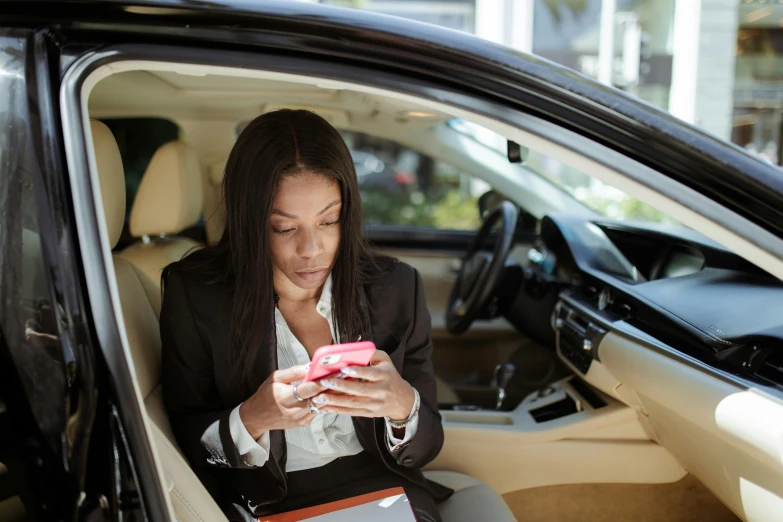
point(200, 392)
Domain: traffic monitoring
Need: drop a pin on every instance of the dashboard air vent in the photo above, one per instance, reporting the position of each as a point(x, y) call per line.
point(771, 368)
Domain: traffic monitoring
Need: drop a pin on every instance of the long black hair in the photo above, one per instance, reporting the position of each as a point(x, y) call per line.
point(272, 146)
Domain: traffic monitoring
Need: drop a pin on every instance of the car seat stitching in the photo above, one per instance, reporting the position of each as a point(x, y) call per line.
point(184, 501)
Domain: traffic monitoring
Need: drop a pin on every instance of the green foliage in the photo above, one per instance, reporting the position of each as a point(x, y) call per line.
point(448, 210)
point(457, 212)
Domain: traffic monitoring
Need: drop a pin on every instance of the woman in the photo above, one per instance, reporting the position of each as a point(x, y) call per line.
point(241, 320)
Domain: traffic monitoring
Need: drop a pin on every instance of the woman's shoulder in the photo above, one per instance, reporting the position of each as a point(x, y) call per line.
point(185, 273)
point(396, 284)
point(393, 300)
point(193, 281)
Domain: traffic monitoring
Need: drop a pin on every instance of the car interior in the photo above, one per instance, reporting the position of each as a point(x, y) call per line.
point(589, 368)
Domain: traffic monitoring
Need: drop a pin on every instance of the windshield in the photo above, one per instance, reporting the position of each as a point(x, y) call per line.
point(591, 192)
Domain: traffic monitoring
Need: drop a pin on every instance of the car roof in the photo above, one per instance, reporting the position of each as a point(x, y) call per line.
point(723, 171)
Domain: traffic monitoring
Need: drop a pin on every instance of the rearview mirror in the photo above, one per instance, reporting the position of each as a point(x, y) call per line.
point(516, 152)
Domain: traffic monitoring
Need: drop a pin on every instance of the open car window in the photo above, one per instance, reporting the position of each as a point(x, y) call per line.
point(404, 187)
point(591, 192)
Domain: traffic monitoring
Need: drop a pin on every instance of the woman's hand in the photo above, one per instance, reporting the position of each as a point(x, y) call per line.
point(385, 394)
point(274, 407)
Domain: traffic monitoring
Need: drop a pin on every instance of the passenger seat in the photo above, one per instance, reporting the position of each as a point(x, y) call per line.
point(11, 507)
point(214, 208)
point(170, 200)
point(140, 302)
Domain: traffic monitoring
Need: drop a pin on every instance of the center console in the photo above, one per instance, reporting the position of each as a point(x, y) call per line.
point(563, 401)
point(568, 400)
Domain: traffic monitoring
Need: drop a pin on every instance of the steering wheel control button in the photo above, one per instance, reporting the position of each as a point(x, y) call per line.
point(587, 345)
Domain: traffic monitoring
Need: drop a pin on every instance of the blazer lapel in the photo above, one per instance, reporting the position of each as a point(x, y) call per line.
point(265, 365)
point(365, 427)
point(364, 304)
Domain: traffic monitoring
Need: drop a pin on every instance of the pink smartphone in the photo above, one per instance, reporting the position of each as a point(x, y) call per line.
point(329, 359)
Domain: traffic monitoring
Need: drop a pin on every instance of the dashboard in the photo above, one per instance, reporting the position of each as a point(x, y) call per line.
point(669, 284)
point(679, 328)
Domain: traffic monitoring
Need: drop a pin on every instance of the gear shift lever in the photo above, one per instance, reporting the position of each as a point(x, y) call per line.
point(503, 375)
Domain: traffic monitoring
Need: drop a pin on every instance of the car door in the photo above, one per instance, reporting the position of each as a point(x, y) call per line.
point(33, 369)
point(519, 92)
point(64, 450)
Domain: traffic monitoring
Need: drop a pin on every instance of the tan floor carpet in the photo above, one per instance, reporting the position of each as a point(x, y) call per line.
point(684, 501)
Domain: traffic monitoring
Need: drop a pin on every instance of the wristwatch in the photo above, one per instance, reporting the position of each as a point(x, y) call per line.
point(414, 412)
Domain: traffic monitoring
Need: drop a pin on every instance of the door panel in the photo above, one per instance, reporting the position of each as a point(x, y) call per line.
point(511, 451)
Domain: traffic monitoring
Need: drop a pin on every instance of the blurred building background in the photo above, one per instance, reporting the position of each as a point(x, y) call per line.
point(715, 63)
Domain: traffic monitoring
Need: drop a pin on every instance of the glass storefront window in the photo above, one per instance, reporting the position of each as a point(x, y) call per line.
point(757, 124)
point(568, 32)
point(655, 22)
point(454, 14)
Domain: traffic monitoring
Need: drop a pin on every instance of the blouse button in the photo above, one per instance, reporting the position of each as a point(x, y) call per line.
point(321, 442)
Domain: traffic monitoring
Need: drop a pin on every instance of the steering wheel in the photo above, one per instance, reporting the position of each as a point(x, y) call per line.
point(480, 273)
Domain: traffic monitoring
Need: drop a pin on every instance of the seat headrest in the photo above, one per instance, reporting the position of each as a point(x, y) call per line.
point(111, 176)
point(214, 206)
point(217, 171)
point(170, 197)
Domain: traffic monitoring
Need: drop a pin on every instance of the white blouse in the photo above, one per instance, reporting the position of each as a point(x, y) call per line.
point(329, 436)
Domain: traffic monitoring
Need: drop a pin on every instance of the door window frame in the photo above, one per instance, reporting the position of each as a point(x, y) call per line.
point(601, 161)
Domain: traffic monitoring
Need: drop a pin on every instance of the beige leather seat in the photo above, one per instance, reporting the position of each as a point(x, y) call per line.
point(140, 301)
point(472, 500)
point(169, 200)
point(11, 508)
point(214, 209)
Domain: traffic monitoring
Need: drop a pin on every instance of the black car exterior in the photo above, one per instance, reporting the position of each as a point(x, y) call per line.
point(70, 424)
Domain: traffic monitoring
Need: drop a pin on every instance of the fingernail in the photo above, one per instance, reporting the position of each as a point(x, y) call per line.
point(348, 371)
point(319, 400)
point(327, 382)
point(307, 367)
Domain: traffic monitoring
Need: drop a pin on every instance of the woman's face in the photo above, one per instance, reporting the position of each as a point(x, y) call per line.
point(305, 232)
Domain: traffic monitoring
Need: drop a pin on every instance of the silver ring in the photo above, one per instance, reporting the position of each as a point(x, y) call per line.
point(296, 395)
point(312, 407)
